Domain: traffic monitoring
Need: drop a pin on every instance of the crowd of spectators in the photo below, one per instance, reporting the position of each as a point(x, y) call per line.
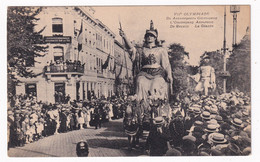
point(29, 120)
point(64, 66)
point(213, 126)
point(207, 125)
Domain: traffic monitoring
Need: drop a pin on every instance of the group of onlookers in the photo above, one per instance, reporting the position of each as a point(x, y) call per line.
point(197, 125)
point(203, 126)
point(29, 120)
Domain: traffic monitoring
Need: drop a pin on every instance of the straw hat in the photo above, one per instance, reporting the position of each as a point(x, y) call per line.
point(246, 151)
point(234, 149)
point(213, 110)
point(245, 113)
point(207, 108)
point(173, 152)
point(217, 138)
point(203, 153)
point(198, 123)
point(213, 121)
point(189, 137)
point(216, 152)
point(158, 121)
point(205, 115)
point(211, 128)
point(219, 118)
point(237, 122)
point(197, 110)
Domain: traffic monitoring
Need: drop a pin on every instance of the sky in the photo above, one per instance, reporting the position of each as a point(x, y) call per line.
point(136, 19)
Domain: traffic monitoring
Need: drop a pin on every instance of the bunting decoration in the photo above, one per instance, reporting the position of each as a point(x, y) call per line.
point(105, 65)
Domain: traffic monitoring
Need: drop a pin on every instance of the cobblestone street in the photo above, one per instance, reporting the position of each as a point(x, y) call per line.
point(109, 141)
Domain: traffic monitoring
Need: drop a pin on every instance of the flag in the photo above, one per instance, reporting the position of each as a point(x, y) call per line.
point(68, 51)
point(105, 65)
point(80, 38)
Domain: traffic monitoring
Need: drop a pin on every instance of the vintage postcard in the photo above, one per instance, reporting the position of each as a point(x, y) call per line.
point(129, 81)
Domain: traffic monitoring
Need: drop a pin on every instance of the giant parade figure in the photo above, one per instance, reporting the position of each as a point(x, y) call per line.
point(155, 76)
point(205, 77)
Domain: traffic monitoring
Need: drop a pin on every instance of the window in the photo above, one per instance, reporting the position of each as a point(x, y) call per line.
point(58, 53)
point(59, 92)
point(57, 26)
point(30, 89)
point(29, 62)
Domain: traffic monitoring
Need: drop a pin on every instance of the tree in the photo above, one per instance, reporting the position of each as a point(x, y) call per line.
point(179, 67)
point(238, 65)
point(23, 43)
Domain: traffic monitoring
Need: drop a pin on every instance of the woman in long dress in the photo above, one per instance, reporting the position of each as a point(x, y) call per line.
point(155, 74)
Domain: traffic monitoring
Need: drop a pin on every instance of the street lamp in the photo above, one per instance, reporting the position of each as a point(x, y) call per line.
point(234, 10)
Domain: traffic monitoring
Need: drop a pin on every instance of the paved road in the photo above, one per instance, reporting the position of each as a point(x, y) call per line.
point(109, 141)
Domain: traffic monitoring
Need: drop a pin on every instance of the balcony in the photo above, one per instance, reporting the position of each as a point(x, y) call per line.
point(64, 69)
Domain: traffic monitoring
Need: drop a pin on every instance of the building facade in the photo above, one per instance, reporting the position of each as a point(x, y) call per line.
point(78, 47)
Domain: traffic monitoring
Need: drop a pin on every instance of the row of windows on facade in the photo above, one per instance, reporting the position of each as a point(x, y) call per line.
point(57, 29)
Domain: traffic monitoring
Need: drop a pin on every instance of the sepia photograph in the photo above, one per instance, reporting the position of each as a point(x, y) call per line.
point(128, 81)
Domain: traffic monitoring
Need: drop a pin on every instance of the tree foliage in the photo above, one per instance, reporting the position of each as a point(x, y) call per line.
point(23, 42)
point(179, 67)
point(239, 66)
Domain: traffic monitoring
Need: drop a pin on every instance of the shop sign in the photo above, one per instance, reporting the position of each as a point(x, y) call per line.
point(57, 39)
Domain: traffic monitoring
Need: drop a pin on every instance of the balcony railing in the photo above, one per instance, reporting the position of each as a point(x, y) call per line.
point(63, 68)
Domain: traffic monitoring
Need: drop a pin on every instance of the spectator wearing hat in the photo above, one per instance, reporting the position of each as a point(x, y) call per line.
point(40, 127)
point(63, 121)
point(177, 129)
point(156, 141)
point(173, 152)
point(97, 118)
point(246, 151)
point(87, 116)
point(216, 139)
point(54, 115)
point(205, 116)
point(188, 145)
point(80, 119)
point(232, 150)
point(236, 127)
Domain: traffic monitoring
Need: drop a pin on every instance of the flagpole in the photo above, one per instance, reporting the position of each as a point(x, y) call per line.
point(124, 56)
point(80, 39)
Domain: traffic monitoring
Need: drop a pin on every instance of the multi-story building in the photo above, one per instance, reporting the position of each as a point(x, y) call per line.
point(65, 69)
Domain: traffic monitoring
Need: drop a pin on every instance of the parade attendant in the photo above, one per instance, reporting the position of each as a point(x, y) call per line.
point(155, 69)
point(132, 123)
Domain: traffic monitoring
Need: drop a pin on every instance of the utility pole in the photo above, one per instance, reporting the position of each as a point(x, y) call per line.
point(224, 74)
